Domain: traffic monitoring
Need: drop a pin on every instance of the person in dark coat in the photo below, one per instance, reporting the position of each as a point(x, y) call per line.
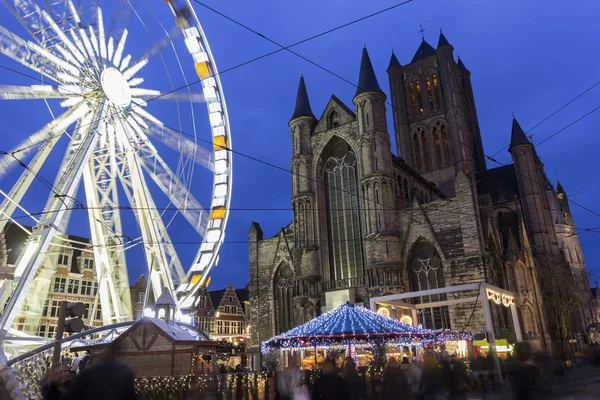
point(105, 380)
point(522, 373)
point(354, 384)
point(330, 386)
point(394, 385)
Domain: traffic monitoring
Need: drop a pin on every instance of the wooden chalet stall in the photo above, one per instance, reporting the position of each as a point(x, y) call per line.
point(160, 352)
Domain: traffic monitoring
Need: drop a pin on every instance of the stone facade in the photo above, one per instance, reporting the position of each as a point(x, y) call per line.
point(369, 223)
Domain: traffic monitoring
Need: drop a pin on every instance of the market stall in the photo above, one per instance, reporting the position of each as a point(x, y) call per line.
point(357, 332)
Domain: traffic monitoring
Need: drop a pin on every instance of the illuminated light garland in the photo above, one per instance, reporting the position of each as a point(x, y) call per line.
point(349, 325)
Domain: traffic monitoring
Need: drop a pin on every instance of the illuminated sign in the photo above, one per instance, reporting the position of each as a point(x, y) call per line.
point(500, 298)
point(406, 319)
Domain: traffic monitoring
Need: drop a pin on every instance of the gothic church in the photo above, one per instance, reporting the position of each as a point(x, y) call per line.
point(370, 223)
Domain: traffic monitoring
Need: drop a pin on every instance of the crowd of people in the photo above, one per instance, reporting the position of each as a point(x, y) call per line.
point(436, 376)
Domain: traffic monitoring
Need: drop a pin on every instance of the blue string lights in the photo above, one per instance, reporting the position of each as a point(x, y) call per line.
point(359, 326)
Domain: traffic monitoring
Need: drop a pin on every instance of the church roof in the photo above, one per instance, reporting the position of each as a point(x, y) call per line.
point(500, 183)
point(517, 137)
point(442, 41)
point(394, 61)
point(424, 50)
point(461, 65)
point(165, 299)
point(367, 81)
point(559, 188)
point(302, 108)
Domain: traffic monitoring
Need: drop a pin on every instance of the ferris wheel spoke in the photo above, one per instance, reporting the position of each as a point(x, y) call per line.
point(159, 45)
point(11, 92)
point(176, 141)
point(173, 188)
point(46, 136)
point(30, 259)
point(27, 13)
point(26, 54)
point(194, 97)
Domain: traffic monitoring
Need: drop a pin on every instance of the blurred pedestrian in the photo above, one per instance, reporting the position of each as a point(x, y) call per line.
point(55, 384)
point(103, 381)
point(478, 366)
point(394, 385)
point(522, 372)
point(75, 364)
point(354, 384)
point(432, 384)
point(84, 361)
point(330, 386)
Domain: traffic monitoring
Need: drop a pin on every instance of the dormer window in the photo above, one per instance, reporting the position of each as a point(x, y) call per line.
point(333, 121)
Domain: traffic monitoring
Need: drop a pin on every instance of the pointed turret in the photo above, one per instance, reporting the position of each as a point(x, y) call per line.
point(536, 158)
point(367, 81)
point(442, 41)
point(393, 62)
point(424, 50)
point(302, 103)
point(559, 188)
point(517, 137)
point(461, 65)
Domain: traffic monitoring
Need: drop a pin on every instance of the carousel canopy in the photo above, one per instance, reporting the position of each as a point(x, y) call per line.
point(352, 324)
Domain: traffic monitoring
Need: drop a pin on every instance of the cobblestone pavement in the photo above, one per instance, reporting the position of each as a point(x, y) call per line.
point(577, 384)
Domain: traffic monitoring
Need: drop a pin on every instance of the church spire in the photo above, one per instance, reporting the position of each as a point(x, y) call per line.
point(367, 81)
point(559, 188)
point(302, 103)
point(424, 50)
point(442, 41)
point(517, 137)
point(394, 61)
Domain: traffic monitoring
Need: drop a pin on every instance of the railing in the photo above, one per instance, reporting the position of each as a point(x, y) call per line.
point(345, 283)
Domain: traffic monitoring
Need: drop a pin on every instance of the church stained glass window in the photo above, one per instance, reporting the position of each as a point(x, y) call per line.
point(418, 94)
point(436, 91)
point(426, 155)
point(426, 272)
point(428, 83)
point(284, 298)
point(437, 147)
point(417, 151)
point(343, 213)
point(411, 89)
point(445, 145)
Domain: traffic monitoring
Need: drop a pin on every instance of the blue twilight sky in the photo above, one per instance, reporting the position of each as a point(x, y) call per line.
point(527, 57)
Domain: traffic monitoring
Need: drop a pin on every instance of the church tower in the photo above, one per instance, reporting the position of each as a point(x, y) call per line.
point(382, 243)
point(437, 132)
point(301, 126)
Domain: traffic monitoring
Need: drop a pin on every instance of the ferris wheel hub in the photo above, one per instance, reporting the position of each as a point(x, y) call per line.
point(115, 87)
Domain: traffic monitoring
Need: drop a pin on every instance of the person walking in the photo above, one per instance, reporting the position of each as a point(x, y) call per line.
point(74, 364)
point(354, 384)
point(394, 385)
point(105, 380)
point(330, 386)
point(522, 373)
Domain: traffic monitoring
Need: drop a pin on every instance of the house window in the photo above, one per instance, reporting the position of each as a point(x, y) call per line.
point(140, 297)
point(63, 259)
point(98, 312)
point(59, 284)
point(54, 309)
point(73, 286)
point(45, 309)
point(95, 288)
point(139, 314)
point(88, 263)
point(86, 288)
point(41, 331)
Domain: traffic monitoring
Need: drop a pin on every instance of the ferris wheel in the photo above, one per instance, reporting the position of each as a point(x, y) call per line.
point(121, 88)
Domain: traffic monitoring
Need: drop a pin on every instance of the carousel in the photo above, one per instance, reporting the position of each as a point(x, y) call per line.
point(359, 333)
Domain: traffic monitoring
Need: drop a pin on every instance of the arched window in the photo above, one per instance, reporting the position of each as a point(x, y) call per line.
point(426, 155)
point(417, 151)
point(437, 147)
point(425, 273)
point(428, 83)
point(284, 296)
point(521, 280)
point(419, 98)
point(343, 212)
point(445, 145)
point(406, 189)
point(436, 91)
point(411, 89)
point(333, 119)
point(529, 321)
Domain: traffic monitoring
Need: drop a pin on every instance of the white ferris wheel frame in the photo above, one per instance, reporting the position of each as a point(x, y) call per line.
point(91, 156)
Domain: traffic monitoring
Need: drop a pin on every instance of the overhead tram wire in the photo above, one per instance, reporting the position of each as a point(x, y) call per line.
point(223, 71)
point(282, 47)
point(553, 114)
point(403, 211)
